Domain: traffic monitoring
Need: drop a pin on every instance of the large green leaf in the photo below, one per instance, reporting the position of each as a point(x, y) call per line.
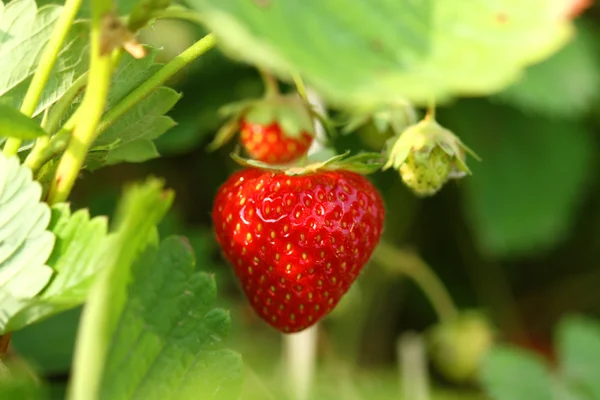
point(565, 85)
point(25, 30)
point(579, 349)
point(142, 207)
point(78, 254)
point(25, 242)
point(513, 374)
point(15, 124)
point(522, 197)
point(368, 52)
point(170, 319)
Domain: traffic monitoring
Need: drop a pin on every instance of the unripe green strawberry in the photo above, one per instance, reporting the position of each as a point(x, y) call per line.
point(427, 155)
point(457, 347)
point(424, 173)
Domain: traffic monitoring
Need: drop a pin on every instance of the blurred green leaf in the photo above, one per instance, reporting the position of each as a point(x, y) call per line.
point(522, 196)
point(25, 30)
point(137, 151)
point(25, 242)
point(579, 349)
point(138, 213)
point(15, 124)
point(513, 374)
point(169, 317)
point(32, 343)
point(17, 383)
point(78, 254)
point(392, 49)
point(565, 85)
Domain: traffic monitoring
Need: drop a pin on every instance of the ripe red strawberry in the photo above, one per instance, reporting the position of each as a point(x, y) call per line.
point(297, 243)
point(269, 144)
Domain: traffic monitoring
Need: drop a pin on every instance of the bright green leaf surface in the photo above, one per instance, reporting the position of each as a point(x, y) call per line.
point(169, 319)
point(25, 242)
point(368, 52)
point(513, 374)
point(566, 85)
point(25, 30)
point(522, 196)
point(579, 349)
point(15, 124)
point(77, 256)
point(142, 207)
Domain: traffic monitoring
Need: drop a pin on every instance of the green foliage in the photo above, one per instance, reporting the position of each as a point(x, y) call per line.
point(78, 254)
point(514, 374)
point(25, 30)
point(150, 301)
point(579, 354)
point(142, 207)
point(170, 319)
point(25, 242)
point(521, 197)
point(15, 124)
point(565, 85)
point(391, 50)
point(129, 138)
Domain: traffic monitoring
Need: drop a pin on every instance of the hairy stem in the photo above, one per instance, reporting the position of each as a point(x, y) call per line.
point(45, 66)
point(414, 267)
point(91, 109)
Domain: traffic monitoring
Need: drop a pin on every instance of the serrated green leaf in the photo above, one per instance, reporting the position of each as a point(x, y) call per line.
point(15, 124)
point(371, 52)
point(169, 317)
point(26, 30)
point(144, 122)
point(522, 197)
point(25, 242)
point(77, 256)
point(513, 374)
point(579, 354)
point(142, 207)
point(565, 85)
point(134, 152)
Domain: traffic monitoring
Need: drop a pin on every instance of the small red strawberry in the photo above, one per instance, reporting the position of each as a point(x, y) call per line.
point(297, 242)
point(275, 129)
point(269, 144)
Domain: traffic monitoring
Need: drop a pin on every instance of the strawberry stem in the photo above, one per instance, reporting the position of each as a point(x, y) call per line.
point(271, 84)
point(300, 351)
point(411, 265)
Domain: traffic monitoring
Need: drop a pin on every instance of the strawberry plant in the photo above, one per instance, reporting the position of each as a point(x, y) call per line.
point(318, 156)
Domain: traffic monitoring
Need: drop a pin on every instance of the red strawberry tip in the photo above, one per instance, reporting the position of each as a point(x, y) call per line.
point(362, 163)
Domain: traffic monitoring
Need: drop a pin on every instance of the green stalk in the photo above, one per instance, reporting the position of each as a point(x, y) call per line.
point(45, 66)
point(156, 80)
point(415, 268)
point(59, 141)
point(90, 112)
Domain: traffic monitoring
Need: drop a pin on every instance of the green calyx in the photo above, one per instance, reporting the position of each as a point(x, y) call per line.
point(427, 155)
point(290, 112)
point(362, 163)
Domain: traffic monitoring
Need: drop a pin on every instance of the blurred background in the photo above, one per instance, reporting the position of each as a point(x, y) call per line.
point(519, 240)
